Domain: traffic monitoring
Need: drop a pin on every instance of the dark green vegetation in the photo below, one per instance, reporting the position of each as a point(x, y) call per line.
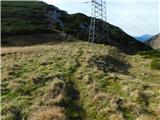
point(27, 17)
point(151, 54)
point(155, 64)
point(77, 81)
point(38, 17)
point(155, 56)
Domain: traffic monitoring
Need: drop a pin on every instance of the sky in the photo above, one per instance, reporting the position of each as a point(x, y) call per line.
point(135, 17)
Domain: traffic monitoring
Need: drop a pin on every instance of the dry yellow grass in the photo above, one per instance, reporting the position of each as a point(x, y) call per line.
point(78, 81)
point(54, 113)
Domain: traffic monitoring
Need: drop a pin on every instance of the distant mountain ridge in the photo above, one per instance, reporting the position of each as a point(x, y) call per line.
point(144, 37)
point(154, 42)
point(22, 17)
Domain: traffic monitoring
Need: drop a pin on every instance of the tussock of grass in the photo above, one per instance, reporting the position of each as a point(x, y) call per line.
point(53, 113)
point(145, 117)
point(11, 111)
point(55, 93)
point(56, 88)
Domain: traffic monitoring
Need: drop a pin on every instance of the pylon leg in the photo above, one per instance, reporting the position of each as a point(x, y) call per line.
point(98, 11)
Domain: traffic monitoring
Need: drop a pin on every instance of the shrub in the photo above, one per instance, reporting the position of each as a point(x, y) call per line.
point(150, 53)
point(155, 56)
point(155, 64)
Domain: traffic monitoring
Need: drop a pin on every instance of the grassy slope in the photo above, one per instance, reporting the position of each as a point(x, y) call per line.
point(78, 81)
point(24, 17)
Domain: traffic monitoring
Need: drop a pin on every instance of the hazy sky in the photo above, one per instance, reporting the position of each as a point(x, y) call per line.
point(136, 17)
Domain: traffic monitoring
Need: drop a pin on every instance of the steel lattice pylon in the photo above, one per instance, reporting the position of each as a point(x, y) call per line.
point(98, 11)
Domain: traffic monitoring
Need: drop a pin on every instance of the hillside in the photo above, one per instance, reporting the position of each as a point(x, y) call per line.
point(78, 81)
point(144, 37)
point(154, 42)
point(24, 17)
point(36, 18)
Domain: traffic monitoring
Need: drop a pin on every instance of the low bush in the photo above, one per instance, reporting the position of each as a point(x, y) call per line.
point(150, 53)
point(155, 56)
point(155, 64)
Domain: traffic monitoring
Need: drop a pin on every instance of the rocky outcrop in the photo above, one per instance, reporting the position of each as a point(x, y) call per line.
point(154, 42)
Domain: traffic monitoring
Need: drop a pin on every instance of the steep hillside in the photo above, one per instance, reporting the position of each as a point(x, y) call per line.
point(78, 81)
point(154, 42)
point(24, 17)
point(19, 18)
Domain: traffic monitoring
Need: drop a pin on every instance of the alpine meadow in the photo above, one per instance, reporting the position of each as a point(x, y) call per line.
point(50, 71)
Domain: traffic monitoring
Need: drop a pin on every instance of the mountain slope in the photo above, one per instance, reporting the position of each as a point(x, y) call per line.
point(154, 42)
point(77, 81)
point(38, 17)
point(19, 17)
point(144, 37)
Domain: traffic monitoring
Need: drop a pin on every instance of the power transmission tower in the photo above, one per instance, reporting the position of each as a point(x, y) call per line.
point(98, 11)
